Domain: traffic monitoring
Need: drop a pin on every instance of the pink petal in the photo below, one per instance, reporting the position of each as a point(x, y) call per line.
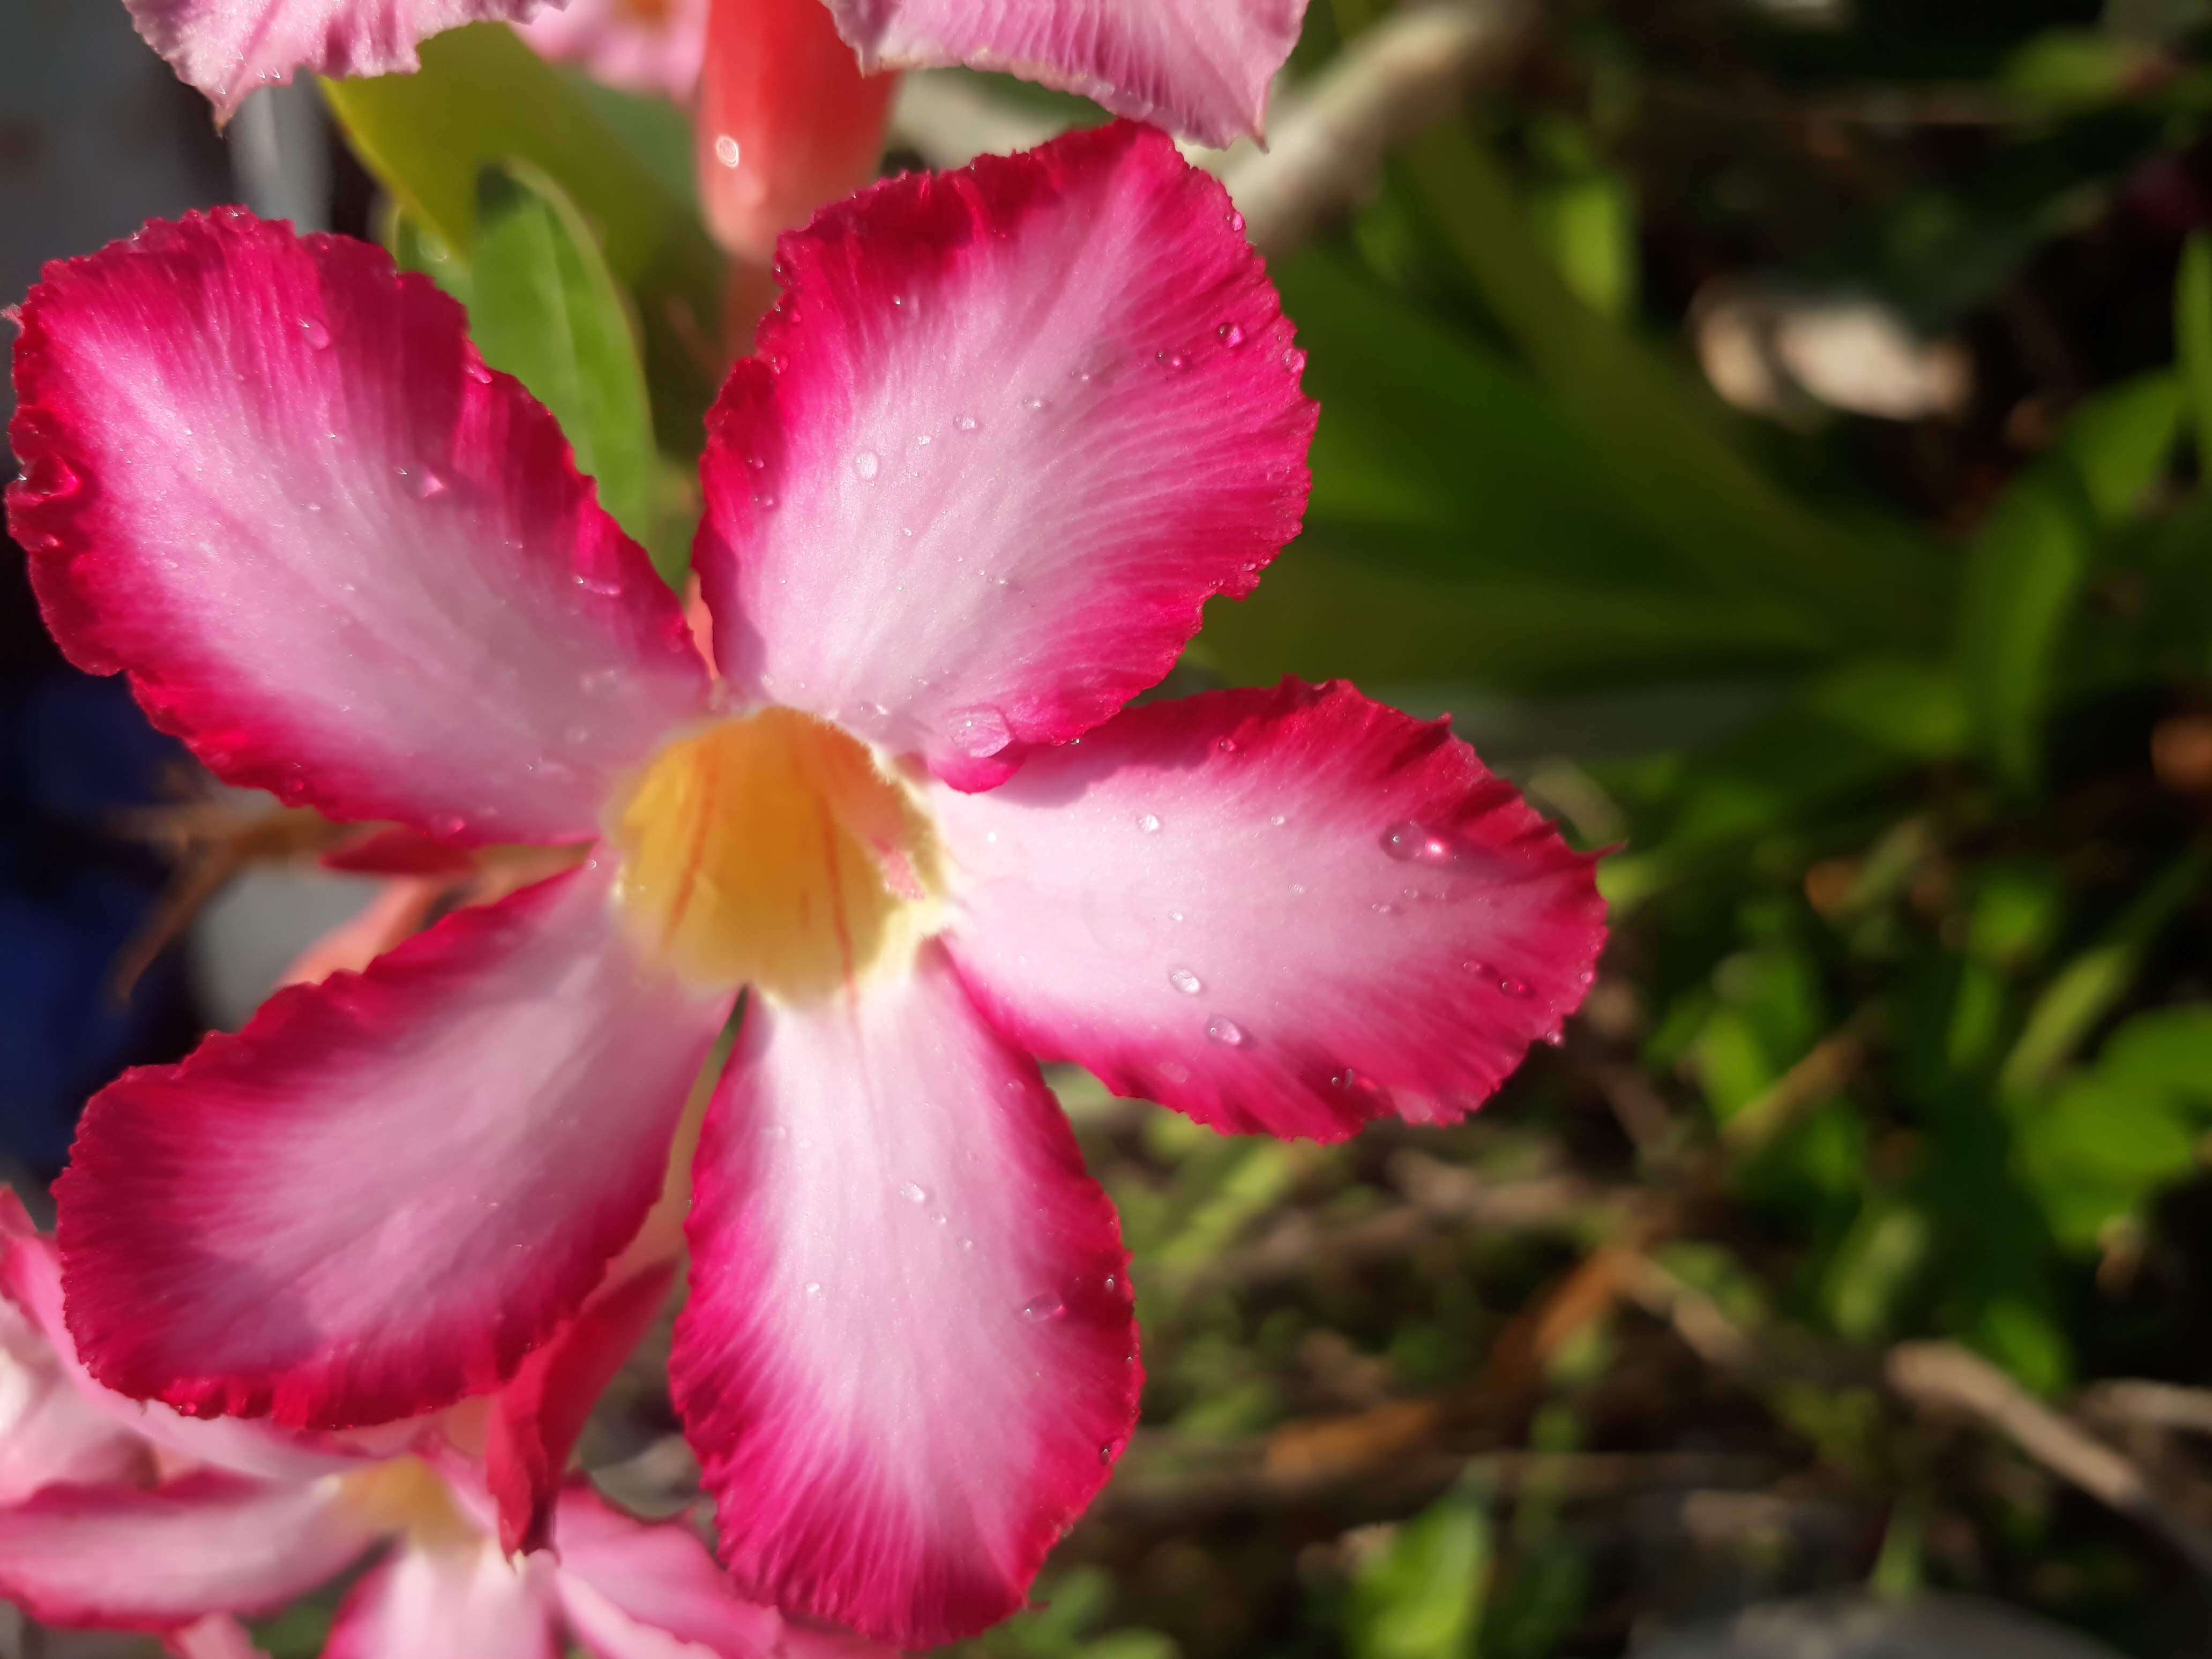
point(31, 1282)
point(1289, 911)
point(648, 48)
point(457, 1598)
point(49, 1433)
point(1011, 429)
point(227, 48)
point(635, 1590)
point(114, 1557)
point(535, 1419)
point(217, 1636)
point(909, 1359)
point(337, 555)
point(390, 1187)
point(1200, 67)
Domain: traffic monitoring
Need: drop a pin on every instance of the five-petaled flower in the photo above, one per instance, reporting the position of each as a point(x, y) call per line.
point(117, 1516)
point(1009, 430)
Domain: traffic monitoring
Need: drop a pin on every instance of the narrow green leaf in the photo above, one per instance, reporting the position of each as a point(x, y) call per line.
point(2192, 334)
point(2090, 985)
point(483, 97)
point(415, 248)
point(1662, 435)
point(1421, 1596)
point(545, 309)
point(2027, 567)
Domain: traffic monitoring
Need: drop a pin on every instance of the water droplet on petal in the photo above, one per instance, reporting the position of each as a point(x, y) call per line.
point(913, 1193)
point(981, 732)
point(1513, 988)
point(727, 152)
point(593, 582)
point(966, 423)
point(476, 370)
point(1149, 823)
point(1226, 745)
point(1185, 982)
point(319, 337)
point(426, 485)
point(814, 1288)
point(1279, 821)
point(1035, 404)
point(866, 464)
point(967, 1244)
point(1417, 843)
point(1231, 336)
point(1227, 1032)
point(1044, 1309)
point(1236, 221)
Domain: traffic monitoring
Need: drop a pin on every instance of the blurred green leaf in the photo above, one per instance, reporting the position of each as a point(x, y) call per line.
point(2028, 565)
point(2087, 988)
point(2062, 70)
point(413, 248)
point(546, 310)
point(483, 97)
point(1661, 436)
point(1421, 1595)
point(2192, 334)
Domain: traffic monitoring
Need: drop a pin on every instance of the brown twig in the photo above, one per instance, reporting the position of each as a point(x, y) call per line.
point(1944, 1376)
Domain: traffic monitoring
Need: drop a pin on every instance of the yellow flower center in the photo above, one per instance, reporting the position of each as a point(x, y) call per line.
point(775, 852)
point(405, 1495)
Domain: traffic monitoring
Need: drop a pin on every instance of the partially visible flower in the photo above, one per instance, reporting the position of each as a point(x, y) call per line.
point(649, 46)
point(146, 1521)
point(1009, 431)
point(1198, 67)
point(227, 48)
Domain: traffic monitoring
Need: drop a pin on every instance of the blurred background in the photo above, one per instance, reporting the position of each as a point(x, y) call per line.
point(1775, 430)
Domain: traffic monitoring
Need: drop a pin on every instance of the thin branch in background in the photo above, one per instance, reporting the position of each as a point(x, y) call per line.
point(1944, 1376)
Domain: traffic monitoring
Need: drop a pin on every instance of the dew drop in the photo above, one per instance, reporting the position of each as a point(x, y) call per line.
point(1415, 843)
point(1297, 889)
point(319, 337)
point(866, 464)
point(967, 1244)
point(981, 732)
point(814, 1288)
point(426, 485)
point(606, 586)
point(1033, 405)
point(1111, 1282)
point(966, 424)
point(1106, 1453)
point(1226, 745)
point(1384, 909)
point(922, 440)
point(727, 152)
point(1555, 1039)
point(1513, 988)
point(1150, 823)
point(1236, 222)
point(1231, 336)
point(1279, 820)
point(1185, 982)
point(1226, 1032)
point(476, 370)
point(1044, 1309)
point(1175, 915)
point(913, 1193)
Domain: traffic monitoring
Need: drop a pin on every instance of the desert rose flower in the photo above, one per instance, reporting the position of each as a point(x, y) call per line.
point(147, 1520)
point(1201, 67)
point(1009, 430)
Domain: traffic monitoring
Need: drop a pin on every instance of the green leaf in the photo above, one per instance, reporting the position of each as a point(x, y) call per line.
point(413, 248)
point(1462, 529)
point(2192, 333)
point(483, 97)
point(1661, 438)
point(2091, 985)
point(1421, 1595)
point(545, 309)
point(2027, 567)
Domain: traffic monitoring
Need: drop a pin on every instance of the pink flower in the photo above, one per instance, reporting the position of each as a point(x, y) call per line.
point(149, 1521)
point(1198, 67)
point(1009, 430)
point(650, 47)
point(1201, 67)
